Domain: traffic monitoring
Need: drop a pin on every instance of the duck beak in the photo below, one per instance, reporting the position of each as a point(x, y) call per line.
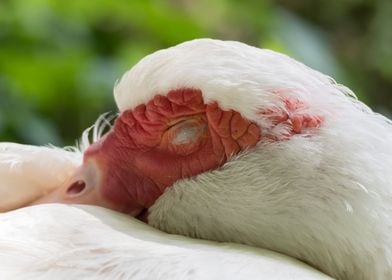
point(85, 187)
point(82, 188)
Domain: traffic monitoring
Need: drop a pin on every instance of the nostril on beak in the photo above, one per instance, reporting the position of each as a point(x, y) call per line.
point(76, 187)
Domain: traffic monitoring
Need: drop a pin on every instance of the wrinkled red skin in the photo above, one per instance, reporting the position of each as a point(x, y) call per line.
point(140, 159)
point(130, 167)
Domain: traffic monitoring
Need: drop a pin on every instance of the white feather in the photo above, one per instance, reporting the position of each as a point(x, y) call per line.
point(66, 242)
point(28, 172)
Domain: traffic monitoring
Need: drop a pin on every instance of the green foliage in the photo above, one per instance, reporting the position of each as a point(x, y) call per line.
point(59, 60)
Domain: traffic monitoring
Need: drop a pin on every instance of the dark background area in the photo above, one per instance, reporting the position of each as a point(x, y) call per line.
point(59, 60)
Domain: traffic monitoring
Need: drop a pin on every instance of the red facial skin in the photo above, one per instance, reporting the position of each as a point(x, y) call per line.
point(152, 146)
point(144, 153)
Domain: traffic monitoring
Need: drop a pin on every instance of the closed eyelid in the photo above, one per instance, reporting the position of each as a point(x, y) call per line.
point(186, 133)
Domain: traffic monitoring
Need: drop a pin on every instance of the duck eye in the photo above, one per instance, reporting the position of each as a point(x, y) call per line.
point(187, 131)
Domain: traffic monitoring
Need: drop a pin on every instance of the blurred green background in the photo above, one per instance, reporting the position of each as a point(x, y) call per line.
point(60, 59)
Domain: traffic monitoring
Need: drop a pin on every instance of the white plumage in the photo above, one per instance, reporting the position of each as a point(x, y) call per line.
point(322, 196)
point(67, 242)
point(28, 172)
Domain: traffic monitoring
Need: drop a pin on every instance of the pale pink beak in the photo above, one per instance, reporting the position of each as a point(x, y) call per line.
point(81, 188)
point(85, 187)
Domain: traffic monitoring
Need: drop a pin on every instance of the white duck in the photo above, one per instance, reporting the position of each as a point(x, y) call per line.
point(222, 141)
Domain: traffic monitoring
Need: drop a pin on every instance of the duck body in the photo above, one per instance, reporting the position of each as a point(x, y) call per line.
point(56, 241)
point(315, 186)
